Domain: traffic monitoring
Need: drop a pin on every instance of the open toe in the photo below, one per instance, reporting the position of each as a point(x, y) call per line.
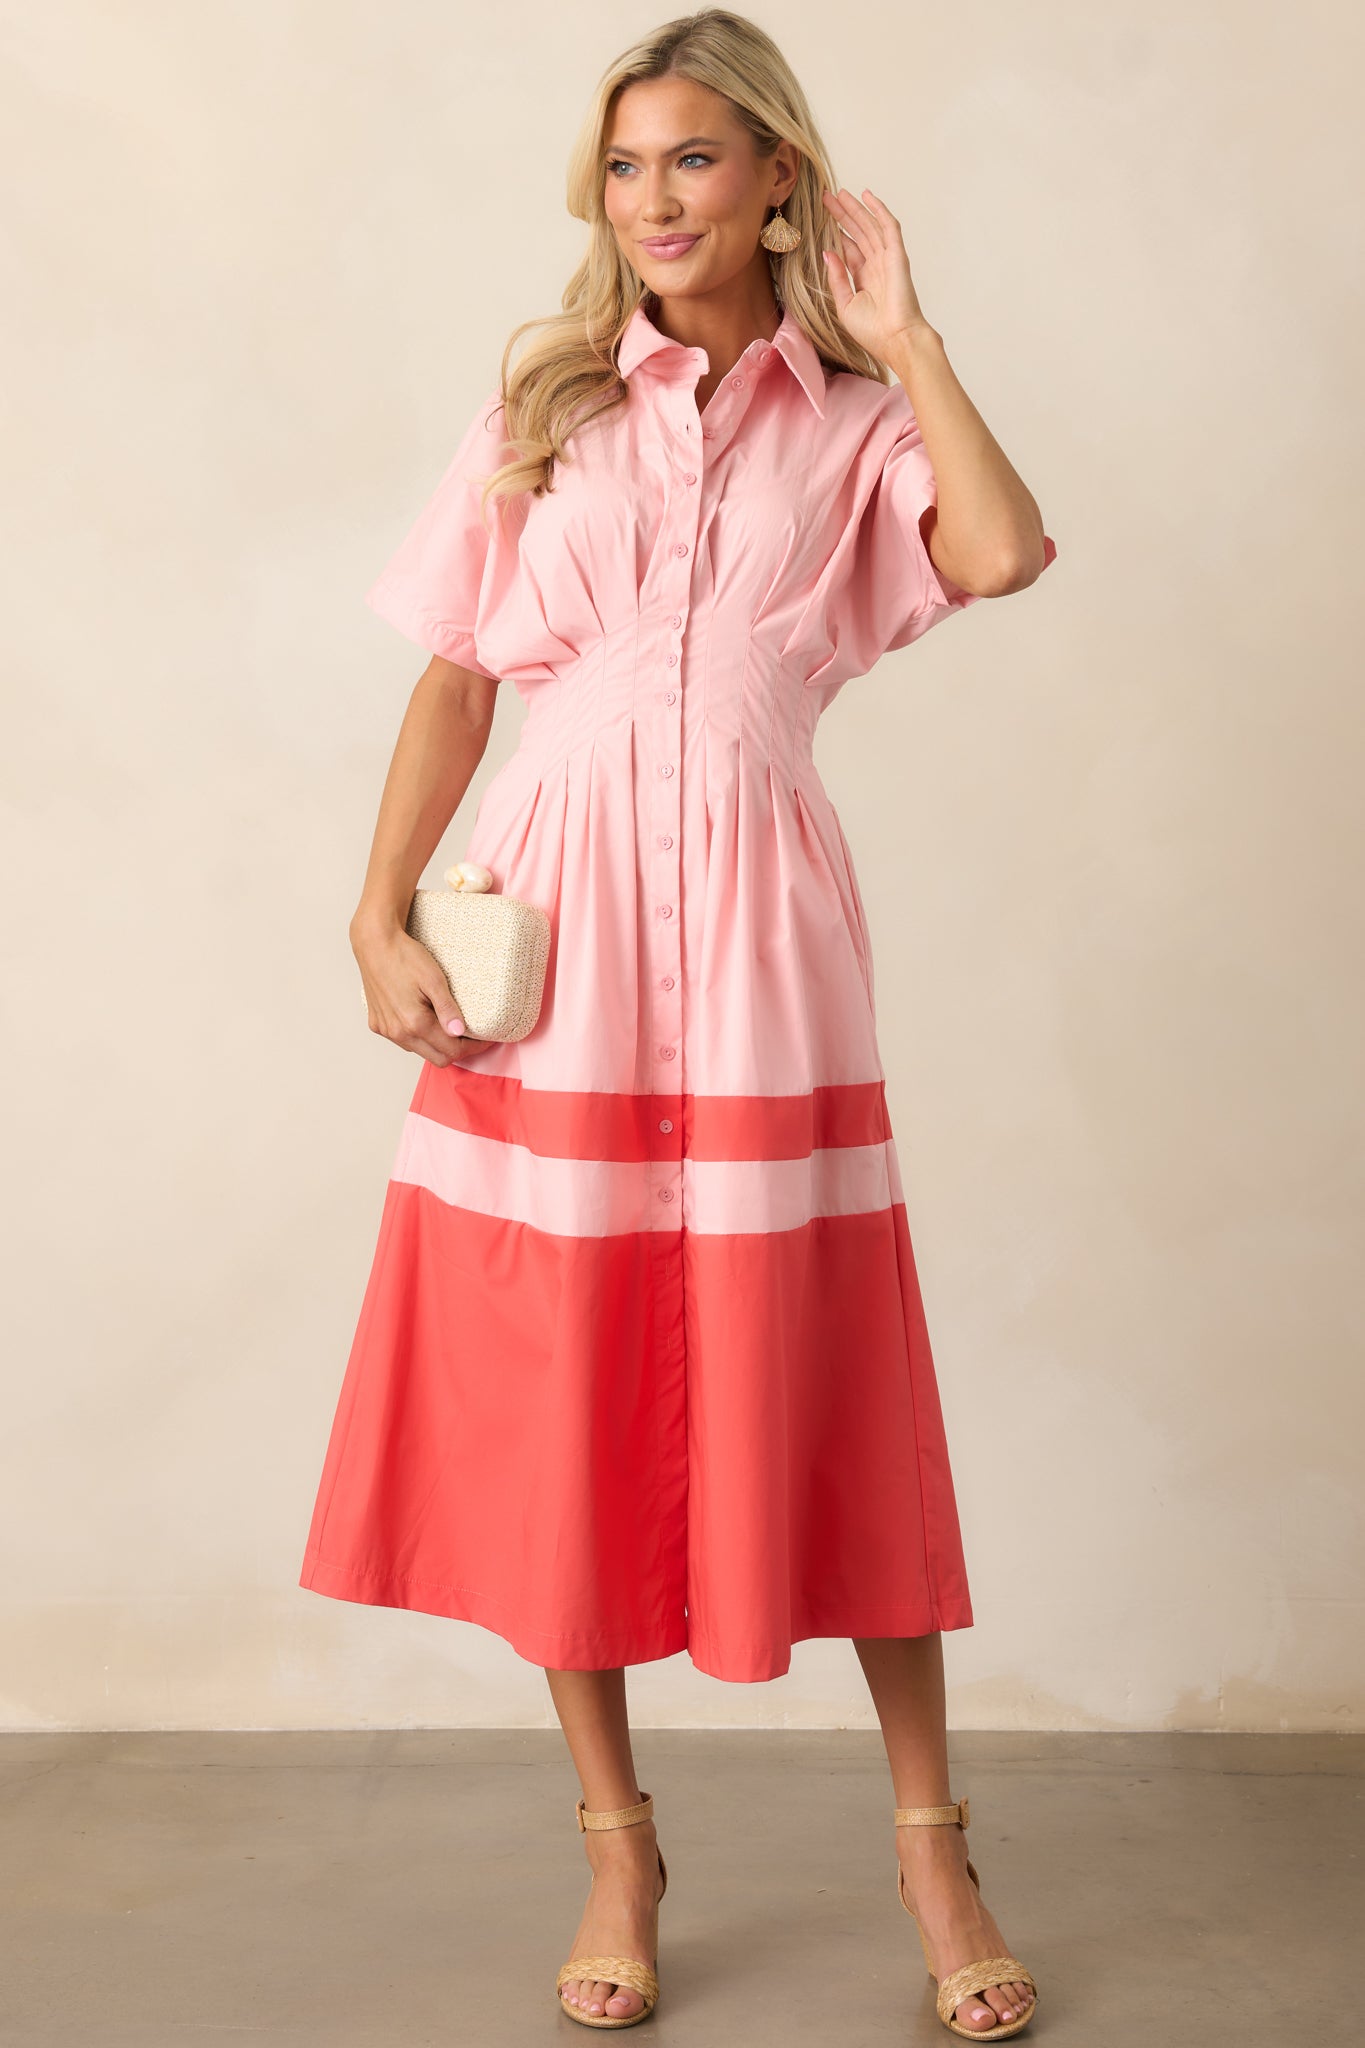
point(600, 1979)
point(974, 1981)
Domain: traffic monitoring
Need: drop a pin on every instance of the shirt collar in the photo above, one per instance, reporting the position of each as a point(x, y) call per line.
point(641, 339)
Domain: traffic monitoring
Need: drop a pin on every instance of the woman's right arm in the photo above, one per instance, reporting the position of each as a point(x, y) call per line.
point(440, 743)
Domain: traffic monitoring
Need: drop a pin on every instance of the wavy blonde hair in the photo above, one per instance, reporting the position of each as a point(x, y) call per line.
point(568, 375)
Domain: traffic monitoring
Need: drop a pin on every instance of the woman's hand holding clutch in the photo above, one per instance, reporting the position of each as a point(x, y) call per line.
point(408, 997)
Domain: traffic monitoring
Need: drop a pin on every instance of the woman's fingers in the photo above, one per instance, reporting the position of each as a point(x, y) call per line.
point(443, 1048)
point(853, 256)
point(468, 1047)
point(841, 290)
point(858, 221)
point(441, 1044)
point(409, 1002)
point(417, 1016)
point(882, 214)
point(882, 301)
point(437, 1041)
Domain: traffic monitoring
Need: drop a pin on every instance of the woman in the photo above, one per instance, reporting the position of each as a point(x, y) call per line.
point(642, 1365)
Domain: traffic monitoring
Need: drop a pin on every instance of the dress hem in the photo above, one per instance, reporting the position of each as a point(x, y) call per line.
point(601, 1650)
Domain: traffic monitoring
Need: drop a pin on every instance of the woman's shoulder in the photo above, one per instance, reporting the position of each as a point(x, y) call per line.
point(866, 399)
point(866, 419)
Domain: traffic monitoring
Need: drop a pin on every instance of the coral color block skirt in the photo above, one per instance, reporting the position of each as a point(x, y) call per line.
point(613, 1444)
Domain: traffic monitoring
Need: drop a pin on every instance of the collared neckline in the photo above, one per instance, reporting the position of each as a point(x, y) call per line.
point(641, 339)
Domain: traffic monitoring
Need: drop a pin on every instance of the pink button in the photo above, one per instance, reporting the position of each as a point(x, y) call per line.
point(737, 383)
point(670, 696)
point(672, 661)
point(666, 1052)
point(681, 548)
point(667, 981)
point(665, 910)
point(689, 478)
point(708, 433)
point(665, 768)
point(665, 1123)
point(665, 1194)
point(677, 618)
point(667, 839)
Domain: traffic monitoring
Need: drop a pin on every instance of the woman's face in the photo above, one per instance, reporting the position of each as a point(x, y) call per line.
point(683, 188)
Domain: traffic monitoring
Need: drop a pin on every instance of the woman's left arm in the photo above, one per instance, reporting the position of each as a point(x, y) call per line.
point(988, 535)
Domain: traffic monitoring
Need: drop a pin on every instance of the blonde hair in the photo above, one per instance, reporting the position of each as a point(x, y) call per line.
point(567, 375)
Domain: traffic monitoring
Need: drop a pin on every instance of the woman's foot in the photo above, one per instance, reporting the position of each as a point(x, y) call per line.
point(957, 1926)
point(618, 1919)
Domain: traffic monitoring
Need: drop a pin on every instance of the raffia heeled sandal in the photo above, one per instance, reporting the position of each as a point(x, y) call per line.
point(972, 1977)
point(627, 1973)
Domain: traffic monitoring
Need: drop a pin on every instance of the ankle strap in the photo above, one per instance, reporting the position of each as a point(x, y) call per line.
point(615, 1816)
point(933, 1816)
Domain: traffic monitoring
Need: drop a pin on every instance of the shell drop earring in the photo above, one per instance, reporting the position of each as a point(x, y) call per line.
point(780, 235)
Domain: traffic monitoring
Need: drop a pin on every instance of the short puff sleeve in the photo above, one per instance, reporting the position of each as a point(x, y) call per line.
point(432, 589)
point(894, 593)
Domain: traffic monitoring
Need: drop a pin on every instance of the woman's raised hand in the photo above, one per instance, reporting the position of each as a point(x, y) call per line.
point(408, 997)
point(874, 294)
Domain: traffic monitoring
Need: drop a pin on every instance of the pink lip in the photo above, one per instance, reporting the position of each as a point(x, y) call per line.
point(666, 246)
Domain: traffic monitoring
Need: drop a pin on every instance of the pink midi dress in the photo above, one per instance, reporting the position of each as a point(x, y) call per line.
point(642, 1364)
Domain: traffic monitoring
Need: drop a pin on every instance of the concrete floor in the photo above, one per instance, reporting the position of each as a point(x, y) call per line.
point(400, 1889)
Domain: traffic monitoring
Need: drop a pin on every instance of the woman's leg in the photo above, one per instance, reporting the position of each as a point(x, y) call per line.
point(905, 1677)
point(591, 1706)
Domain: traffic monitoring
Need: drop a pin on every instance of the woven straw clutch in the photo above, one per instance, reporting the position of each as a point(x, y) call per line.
point(492, 949)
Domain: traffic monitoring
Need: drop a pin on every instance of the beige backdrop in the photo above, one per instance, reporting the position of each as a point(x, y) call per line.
point(262, 263)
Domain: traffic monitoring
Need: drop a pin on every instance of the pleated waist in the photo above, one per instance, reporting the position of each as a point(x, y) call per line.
point(735, 708)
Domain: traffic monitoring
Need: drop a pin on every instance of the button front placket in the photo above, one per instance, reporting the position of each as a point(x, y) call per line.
point(661, 696)
point(693, 446)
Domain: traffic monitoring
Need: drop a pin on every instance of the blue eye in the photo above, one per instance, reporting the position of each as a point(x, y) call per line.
point(693, 156)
